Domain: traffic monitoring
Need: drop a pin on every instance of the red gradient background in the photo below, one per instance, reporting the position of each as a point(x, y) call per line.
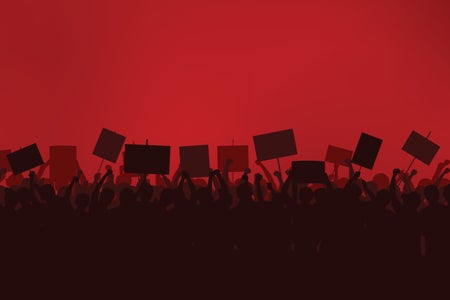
point(193, 72)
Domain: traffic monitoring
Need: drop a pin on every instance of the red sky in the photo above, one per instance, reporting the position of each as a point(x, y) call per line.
point(194, 72)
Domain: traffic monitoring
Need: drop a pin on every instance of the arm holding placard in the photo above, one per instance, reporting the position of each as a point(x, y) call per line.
point(210, 182)
point(336, 172)
point(266, 172)
point(226, 169)
point(352, 180)
point(42, 169)
point(176, 176)
point(35, 197)
point(285, 187)
point(188, 179)
point(351, 171)
point(277, 174)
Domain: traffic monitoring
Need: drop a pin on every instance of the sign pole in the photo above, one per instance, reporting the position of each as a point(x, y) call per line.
point(100, 166)
point(279, 167)
point(412, 162)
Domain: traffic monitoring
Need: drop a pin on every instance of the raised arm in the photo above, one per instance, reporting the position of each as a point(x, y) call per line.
point(42, 169)
point(336, 172)
point(393, 190)
point(98, 186)
point(259, 195)
point(439, 179)
point(33, 187)
point(407, 180)
point(277, 174)
point(188, 179)
point(440, 167)
point(351, 171)
point(176, 176)
point(222, 182)
point(352, 179)
point(226, 170)
point(266, 172)
point(285, 187)
point(69, 189)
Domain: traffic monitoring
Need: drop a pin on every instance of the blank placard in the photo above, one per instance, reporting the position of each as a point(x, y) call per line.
point(367, 151)
point(108, 145)
point(63, 164)
point(195, 160)
point(238, 154)
point(146, 159)
point(420, 148)
point(338, 155)
point(308, 171)
point(275, 145)
point(25, 159)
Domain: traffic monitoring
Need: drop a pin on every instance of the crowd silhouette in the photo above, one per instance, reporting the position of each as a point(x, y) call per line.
point(217, 238)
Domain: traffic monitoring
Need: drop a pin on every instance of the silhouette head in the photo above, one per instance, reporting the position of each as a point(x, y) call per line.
point(244, 192)
point(382, 180)
point(431, 193)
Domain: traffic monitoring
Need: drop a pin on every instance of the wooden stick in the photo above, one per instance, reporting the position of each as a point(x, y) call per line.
point(279, 167)
point(100, 166)
point(411, 163)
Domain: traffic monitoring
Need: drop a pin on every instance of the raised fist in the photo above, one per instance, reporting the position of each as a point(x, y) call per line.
point(395, 172)
point(258, 177)
point(413, 172)
point(357, 174)
point(277, 173)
